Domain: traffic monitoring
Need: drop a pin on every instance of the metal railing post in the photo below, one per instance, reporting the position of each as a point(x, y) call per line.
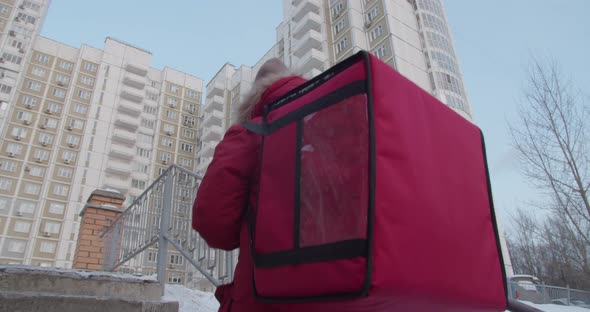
point(114, 241)
point(164, 229)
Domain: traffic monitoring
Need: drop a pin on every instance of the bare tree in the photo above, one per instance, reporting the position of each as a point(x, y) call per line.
point(551, 136)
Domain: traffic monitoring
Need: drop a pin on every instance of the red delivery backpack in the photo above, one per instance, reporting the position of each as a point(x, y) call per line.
point(370, 187)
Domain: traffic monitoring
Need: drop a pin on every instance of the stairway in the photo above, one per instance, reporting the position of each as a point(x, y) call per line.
point(37, 289)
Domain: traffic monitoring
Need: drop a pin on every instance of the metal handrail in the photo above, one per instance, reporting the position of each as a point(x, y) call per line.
point(162, 216)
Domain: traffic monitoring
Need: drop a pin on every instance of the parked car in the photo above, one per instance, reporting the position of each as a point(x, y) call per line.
point(526, 288)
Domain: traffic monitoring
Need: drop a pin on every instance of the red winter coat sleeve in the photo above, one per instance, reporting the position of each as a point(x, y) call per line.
point(222, 197)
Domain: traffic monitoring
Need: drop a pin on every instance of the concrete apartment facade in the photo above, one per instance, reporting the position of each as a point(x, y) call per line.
point(83, 119)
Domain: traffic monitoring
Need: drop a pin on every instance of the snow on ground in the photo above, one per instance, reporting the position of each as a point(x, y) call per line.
point(191, 300)
point(556, 308)
point(74, 273)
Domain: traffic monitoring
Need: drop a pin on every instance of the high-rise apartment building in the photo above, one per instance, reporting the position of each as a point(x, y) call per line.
point(85, 119)
point(20, 24)
point(412, 36)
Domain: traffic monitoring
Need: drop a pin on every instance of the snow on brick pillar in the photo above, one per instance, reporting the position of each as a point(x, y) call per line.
point(102, 207)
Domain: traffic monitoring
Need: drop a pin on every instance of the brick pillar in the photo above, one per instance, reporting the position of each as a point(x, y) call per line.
point(102, 207)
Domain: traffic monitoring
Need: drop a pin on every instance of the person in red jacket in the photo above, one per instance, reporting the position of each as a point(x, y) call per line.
point(230, 184)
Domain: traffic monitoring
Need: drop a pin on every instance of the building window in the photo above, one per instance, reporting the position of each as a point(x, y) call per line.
point(147, 123)
point(172, 102)
point(52, 227)
point(62, 79)
point(143, 153)
point(145, 138)
point(8, 165)
point(69, 156)
point(167, 142)
point(42, 58)
point(138, 184)
point(38, 71)
point(373, 13)
point(339, 26)
point(16, 246)
point(170, 114)
point(337, 9)
point(174, 279)
point(22, 227)
point(191, 94)
point(168, 129)
point(380, 52)
point(67, 66)
point(13, 148)
point(5, 89)
point(59, 93)
point(26, 207)
point(55, 208)
point(54, 108)
point(152, 256)
point(165, 157)
point(12, 58)
point(72, 140)
point(186, 162)
point(3, 9)
point(176, 259)
point(40, 154)
point(86, 80)
point(45, 138)
point(173, 88)
point(189, 121)
point(16, 44)
point(24, 116)
point(90, 67)
point(61, 190)
point(32, 5)
point(50, 123)
point(33, 85)
point(191, 108)
point(29, 101)
point(36, 171)
point(342, 44)
point(5, 184)
point(150, 110)
point(376, 33)
point(32, 189)
point(76, 124)
point(141, 168)
point(47, 247)
point(155, 84)
point(80, 108)
point(186, 147)
point(19, 133)
point(63, 172)
point(152, 96)
point(85, 95)
point(188, 133)
point(26, 18)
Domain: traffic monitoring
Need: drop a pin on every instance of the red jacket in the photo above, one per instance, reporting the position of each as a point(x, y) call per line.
point(222, 198)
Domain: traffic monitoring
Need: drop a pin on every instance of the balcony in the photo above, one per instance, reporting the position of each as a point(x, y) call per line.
point(313, 59)
point(127, 122)
point(118, 168)
point(122, 152)
point(133, 96)
point(311, 40)
point(212, 133)
point(130, 108)
point(120, 185)
point(125, 137)
point(214, 118)
point(304, 7)
point(216, 104)
point(309, 21)
point(136, 69)
point(134, 80)
point(208, 149)
point(215, 88)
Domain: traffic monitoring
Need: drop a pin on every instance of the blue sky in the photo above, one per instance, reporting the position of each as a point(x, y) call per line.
point(495, 40)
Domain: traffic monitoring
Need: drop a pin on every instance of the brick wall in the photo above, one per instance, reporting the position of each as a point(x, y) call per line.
point(102, 207)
